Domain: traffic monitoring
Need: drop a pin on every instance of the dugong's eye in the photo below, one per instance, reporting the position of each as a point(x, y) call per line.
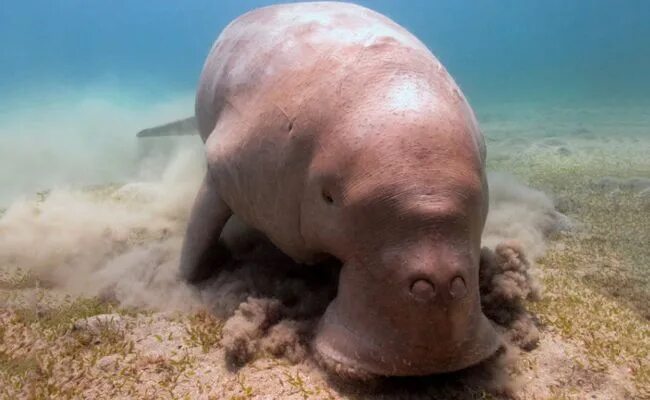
point(327, 197)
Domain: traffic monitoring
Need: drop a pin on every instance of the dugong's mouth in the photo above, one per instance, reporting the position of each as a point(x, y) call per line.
point(331, 361)
point(361, 357)
point(330, 357)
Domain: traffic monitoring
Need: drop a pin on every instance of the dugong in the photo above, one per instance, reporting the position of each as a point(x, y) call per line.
point(336, 133)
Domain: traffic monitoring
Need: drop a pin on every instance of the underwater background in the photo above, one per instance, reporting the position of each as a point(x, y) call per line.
point(76, 75)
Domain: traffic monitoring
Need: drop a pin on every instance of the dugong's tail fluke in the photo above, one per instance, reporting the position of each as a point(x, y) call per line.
point(185, 126)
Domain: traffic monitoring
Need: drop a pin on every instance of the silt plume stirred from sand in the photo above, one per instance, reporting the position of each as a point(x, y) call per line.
point(122, 243)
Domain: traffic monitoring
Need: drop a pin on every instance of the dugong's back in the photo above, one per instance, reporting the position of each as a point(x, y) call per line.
point(259, 51)
point(285, 82)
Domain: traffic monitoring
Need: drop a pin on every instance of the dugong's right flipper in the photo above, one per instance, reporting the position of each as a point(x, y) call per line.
point(202, 252)
point(185, 126)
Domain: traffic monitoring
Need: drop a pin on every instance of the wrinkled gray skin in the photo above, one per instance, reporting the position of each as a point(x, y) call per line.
point(335, 132)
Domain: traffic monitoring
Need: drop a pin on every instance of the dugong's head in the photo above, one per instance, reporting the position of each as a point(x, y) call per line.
point(397, 192)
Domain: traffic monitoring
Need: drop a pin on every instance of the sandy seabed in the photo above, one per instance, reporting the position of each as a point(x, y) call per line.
point(90, 306)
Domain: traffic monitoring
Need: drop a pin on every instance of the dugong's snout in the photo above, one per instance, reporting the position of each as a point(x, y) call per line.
point(418, 324)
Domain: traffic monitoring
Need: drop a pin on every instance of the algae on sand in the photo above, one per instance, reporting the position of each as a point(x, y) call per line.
point(597, 278)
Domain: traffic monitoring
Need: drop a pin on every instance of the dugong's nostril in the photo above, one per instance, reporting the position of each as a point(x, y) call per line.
point(423, 290)
point(457, 288)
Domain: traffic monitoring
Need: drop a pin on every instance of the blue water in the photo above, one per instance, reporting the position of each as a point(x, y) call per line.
point(79, 78)
point(509, 50)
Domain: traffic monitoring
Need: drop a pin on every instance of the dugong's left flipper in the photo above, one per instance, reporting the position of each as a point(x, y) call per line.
point(202, 252)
